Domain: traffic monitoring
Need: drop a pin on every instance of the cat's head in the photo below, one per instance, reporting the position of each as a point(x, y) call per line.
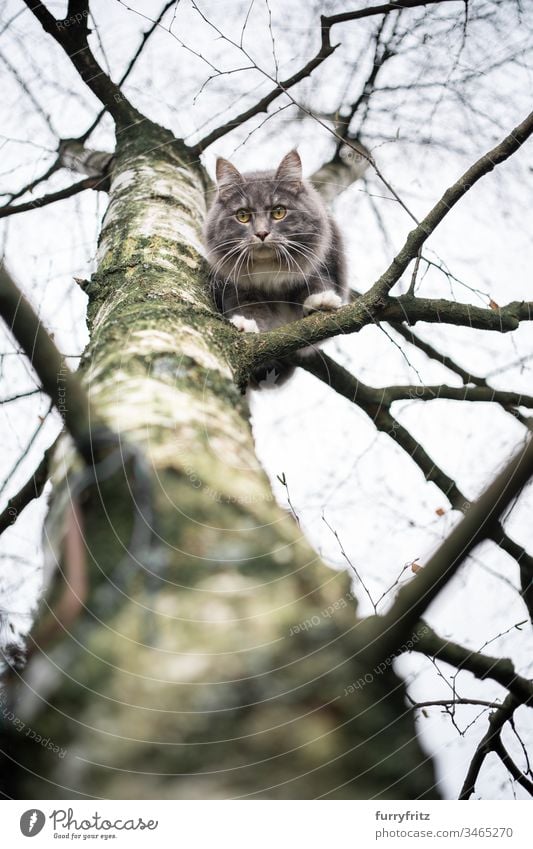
point(265, 222)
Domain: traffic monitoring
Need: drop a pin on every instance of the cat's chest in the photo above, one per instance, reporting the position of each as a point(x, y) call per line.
point(271, 280)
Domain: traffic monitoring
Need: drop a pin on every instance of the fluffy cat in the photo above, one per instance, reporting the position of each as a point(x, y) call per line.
point(275, 253)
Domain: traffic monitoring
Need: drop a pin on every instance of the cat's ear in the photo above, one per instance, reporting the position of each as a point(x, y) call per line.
point(290, 170)
point(226, 173)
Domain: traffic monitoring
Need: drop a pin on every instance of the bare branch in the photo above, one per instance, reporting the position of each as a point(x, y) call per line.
point(496, 722)
point(384, 9)
point(18, 395)
point(258, 348)
point(446, 703)
point(31, 489)
point(482, 666)
point(46, 200)
point(508, 762)
point(477, 524)
point(481, 394)
point(62, 386)
point(72, 37)
point(412, 309)
point(416, 238)
point(130, 66)
point(325, 50)
point(372, 401)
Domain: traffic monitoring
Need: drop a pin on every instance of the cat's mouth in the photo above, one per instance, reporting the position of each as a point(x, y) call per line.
point(263, 249)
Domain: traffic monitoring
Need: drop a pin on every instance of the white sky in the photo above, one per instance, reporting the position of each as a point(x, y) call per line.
point(335, 463)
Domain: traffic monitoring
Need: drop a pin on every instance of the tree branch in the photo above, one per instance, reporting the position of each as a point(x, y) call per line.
point(325, 50)
point(72, 37)
point(496, 722)
point(510, 765)
point(482, 666)
point(32, 489)
point(477, 523)
point(372, 402)
point(130, 67)
point(448, 362)
point(62, 386)
point(55, 166)
point(412, 309)
point(453, 702)
point(256, 349)
point(46, 200)
point(416, 238)
point(384, 9)
point(481, 394)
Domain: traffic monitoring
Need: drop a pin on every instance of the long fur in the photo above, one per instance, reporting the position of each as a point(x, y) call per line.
point(262, 282)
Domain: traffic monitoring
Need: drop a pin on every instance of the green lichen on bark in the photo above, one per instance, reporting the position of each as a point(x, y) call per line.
point(216, 663)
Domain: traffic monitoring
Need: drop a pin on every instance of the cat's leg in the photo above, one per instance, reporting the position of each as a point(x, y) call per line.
point(325, 301)
point(241, 315)
point(245, 325)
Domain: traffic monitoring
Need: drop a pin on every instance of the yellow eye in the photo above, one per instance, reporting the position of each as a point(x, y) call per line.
point(278, 212)
point(243, 215)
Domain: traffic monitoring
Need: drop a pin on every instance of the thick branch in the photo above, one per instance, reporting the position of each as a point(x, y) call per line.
point(383, 9)
point(55, 166)
point(58, 381)
point(258, 348)
point(451, 703)
point(412, 309)
point(481, 394)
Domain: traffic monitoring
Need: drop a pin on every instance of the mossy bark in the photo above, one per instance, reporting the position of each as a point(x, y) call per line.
point(220, 660)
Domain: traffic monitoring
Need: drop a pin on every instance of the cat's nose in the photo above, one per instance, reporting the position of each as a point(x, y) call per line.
point(262, 235)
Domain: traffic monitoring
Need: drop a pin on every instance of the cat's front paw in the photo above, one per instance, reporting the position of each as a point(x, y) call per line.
point(246, 325)
point(327, 301)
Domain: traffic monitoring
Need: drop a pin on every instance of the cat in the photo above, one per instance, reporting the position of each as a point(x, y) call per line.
point(274, 252)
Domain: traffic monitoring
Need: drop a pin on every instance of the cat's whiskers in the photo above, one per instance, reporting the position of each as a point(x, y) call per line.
point(279, 256)
point(306, 251)
point(309, 255)
point(216, 268)
point(293, 261)
point(288, 247)
point(235, 271)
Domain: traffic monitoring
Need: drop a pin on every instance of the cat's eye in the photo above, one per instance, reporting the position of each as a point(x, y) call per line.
point(278, 212)
point(243, 215)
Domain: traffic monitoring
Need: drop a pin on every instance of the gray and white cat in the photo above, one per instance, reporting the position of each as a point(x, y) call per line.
point(275, 253)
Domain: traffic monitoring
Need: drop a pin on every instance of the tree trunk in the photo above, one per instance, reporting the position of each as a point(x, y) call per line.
point(218, 657)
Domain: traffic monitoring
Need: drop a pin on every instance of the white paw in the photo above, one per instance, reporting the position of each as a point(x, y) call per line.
point(246, 325)
point(328, 300)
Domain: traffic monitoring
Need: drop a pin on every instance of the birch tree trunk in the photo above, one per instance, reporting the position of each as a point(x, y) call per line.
point(223, 659)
